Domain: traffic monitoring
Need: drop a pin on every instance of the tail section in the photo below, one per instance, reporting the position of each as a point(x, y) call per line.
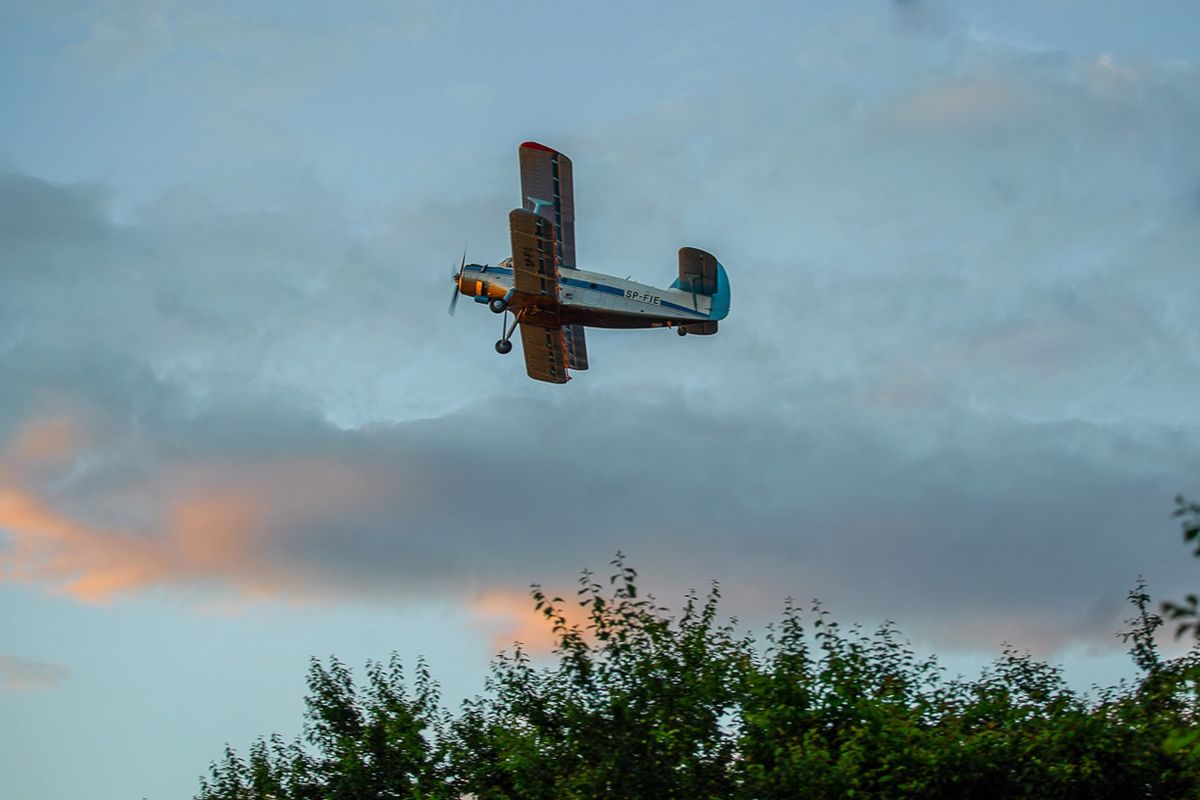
point(701, 274)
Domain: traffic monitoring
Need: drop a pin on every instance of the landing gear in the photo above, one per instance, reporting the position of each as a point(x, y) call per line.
point(681, 331)
point(498, 305)
point(504, 345)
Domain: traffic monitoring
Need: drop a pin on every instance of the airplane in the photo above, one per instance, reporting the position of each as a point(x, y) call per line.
point(552, 300)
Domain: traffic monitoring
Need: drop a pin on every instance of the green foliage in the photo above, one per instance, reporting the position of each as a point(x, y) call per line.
point(373, 742)
point(1187, 612)
point(637, 703)
point(636, 706)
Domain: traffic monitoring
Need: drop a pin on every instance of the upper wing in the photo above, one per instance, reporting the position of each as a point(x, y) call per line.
point(545, 353)
point(548, 190)
point(535, 267)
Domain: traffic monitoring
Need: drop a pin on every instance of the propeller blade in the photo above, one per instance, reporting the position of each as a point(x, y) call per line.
point(454, 297)
point(457, 277)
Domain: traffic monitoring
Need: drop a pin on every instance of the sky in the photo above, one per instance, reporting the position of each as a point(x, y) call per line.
point(238, 429)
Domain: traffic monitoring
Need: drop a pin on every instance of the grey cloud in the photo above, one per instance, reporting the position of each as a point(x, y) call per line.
point(127, 37)
point(22, 675)
point(275, 54)
point(960, 406)
point(33, 210)
point(877, 215)
point(921, 16)
point(994, 528)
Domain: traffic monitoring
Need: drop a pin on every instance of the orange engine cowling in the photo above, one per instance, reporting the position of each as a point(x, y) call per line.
point(474, 287)
point(481, 290)
point(471, 287)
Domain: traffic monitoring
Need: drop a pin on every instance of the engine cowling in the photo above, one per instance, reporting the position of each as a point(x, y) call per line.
point(479, 288)
point(471, 287)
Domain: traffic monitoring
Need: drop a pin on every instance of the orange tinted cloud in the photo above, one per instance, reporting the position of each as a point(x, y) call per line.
point(509, 616)
point(46, 543)
point(45, 439)
point(216, 525)
point(89, 563)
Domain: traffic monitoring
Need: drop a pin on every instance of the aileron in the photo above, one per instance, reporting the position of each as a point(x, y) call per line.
point(545, 353)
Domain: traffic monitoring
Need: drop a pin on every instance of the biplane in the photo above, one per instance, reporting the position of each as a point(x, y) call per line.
point(552, 300)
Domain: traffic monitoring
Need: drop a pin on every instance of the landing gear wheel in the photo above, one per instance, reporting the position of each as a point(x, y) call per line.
point(681, 331)
point(503, 346)
point(498, 305)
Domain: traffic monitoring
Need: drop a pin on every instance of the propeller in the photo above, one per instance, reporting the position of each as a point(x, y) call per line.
point(456, 277)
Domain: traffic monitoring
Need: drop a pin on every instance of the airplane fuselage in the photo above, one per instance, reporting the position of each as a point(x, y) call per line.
point(589, 298)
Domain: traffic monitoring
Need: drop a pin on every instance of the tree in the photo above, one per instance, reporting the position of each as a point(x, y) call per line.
point(1188, 612)
point(380, 741)
point(637, 703)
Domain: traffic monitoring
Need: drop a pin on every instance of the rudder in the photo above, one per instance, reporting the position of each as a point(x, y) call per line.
point(701, 274)
point(697, 271)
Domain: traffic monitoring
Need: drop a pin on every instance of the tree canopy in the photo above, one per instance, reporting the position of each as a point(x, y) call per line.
point(1187, 613)
point(639, 703)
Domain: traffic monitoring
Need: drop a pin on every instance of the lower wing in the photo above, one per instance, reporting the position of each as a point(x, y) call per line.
point(546, 354)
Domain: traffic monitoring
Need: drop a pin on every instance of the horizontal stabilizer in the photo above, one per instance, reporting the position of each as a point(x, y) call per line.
point(701, 328)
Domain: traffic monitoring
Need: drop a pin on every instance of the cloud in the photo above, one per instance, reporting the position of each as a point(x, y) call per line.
point(45, 440)
point(955, 387)
point(21, 675)
point(129, 36)
point(508, 616)
point(972, 101)
point(181, 522)
point(34, 211)
point(771, 507)
point(276, 53)
point(921, 16)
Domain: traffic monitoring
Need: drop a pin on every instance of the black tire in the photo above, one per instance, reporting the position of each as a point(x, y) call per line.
point(503, 346)
point(681, 331)
point(498, 305)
